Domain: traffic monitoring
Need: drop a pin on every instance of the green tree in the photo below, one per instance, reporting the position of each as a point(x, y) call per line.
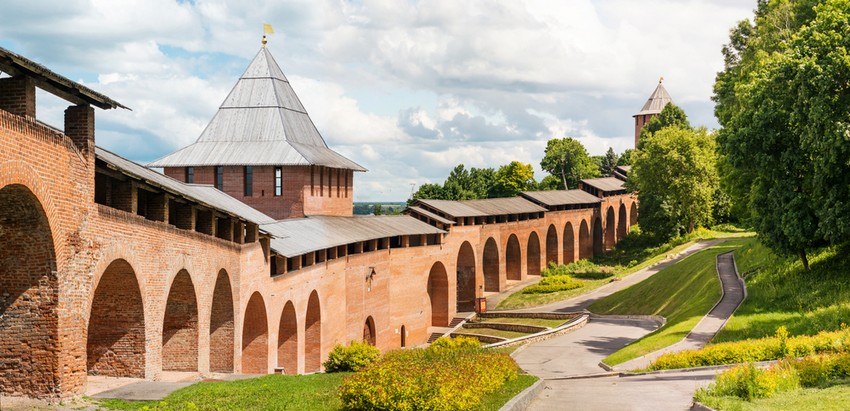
point(567, 159)
point(428, 192)
point(609, 163)
point(782, 105)
point(550, 182)
point(376, 209)
point(513, 178)
point(625, 158)
point(675, 176)
point(670, 115)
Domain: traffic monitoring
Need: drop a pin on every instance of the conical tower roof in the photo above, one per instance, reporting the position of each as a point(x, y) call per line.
point(659, 98)
point(261, 122)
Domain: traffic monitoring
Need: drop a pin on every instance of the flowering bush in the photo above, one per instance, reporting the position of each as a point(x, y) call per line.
point(552, 284)
point(762, 349)
point(357, 355)
point(750, 382)
point(448, 375)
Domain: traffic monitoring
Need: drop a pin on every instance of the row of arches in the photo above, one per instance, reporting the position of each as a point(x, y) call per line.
point(592, 239)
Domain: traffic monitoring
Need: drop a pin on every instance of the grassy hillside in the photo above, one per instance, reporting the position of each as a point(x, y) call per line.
point(683, 293)
point(780, 293)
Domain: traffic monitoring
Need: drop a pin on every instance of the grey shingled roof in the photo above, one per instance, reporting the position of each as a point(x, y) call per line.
point(294, 237)
point(14, 64)
point(555, 198)
point(205, 195)
point(605, 184)
point(429, 214)
point(656, 102)
point(485, 207)
point(261, 122)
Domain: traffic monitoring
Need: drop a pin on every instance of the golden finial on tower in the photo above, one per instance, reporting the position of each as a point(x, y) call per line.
point(659, 80)
point(267, 29)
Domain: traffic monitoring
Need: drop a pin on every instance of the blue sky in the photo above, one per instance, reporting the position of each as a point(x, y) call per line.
point(406, 88)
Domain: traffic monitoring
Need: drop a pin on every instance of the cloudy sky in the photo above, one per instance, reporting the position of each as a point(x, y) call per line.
point(407, 88)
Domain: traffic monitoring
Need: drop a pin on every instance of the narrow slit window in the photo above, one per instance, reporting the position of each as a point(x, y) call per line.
point(249, 181)
point(190, 175)
point(219, 177)
point(278, 181)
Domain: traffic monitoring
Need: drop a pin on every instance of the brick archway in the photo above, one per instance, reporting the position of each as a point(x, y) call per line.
point(313, 335)
point(598, 241)
point(610, 229)
point(287, 340)
point(491, 266)
point(585, 242)
point(438, 295)
point(552, 245)
point(369, 331)
point(569, 244)
point(633, 214)
point(255, 337)
point(466, 287)
point(28, 296)
point(622, 223)
point(513, 259)
point(115, 344)
point(180, 326)
point(533, 254)
point(221, 325)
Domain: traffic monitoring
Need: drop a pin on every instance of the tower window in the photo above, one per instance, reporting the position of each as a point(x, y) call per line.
point(278, 181)
point(190, 175)
point(249, 181)
point(219, 177)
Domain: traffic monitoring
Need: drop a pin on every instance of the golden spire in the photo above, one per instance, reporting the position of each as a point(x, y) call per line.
point(659, 80)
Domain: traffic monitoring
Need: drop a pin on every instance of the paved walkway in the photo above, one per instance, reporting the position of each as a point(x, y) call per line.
point(708, 326)
point(569, 363)
point(581, 302)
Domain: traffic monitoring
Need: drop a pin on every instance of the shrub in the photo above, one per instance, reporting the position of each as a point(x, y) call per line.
point(460, 342)
point(553, 284)
point(750, 382)
point(357, 355)
point(762, 349)
point(448, 375)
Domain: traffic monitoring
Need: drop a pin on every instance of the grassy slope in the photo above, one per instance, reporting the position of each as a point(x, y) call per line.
point(833, 398)
point(683, 293)
point(632, 254)
point(780, 292)
point(276, 392)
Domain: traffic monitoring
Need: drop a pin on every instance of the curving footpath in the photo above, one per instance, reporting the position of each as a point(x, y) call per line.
point(568, 364)
point(733, 295)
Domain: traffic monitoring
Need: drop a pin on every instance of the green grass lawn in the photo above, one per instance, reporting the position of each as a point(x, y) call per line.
point(270, 392)
point(632, 254)
point(682, 293)
point(780, 293)
point(537, 322)
point(834, 398)
point(277, 392)
point(493, 332)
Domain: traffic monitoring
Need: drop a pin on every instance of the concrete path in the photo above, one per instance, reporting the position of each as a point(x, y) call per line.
point(579, 352)
point(708, 326)
point(581, 302)
point(669, 391)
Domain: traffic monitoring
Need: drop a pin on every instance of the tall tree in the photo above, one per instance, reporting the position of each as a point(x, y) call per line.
point(513, 178)
point(567, 159)
point(675, 176)
point(782, 104)
point(609, 163)
point(670, 115)
point(625, 158)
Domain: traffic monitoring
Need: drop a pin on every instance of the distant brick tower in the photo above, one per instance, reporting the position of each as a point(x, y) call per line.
point(656, 102)
point(262, 148)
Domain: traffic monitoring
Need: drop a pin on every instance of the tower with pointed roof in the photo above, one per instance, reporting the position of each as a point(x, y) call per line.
point(656, 102)
point(261, 147)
